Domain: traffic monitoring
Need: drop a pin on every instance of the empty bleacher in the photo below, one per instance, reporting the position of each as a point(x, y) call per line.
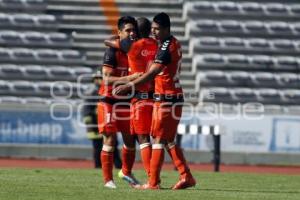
point(239, 50)
point(245, 51)
point(36, 57)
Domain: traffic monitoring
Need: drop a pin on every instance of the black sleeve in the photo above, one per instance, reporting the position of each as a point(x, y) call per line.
point(163, 55)
point(125, 44)
point(110, 57)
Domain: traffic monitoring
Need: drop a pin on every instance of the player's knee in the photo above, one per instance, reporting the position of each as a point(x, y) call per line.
point(143, 139)
point(129, 148)
point(144, 145)
point(108, 148)
point(170, 145)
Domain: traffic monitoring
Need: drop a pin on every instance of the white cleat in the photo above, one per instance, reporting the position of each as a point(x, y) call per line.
point(110, 184)
point(129, 179)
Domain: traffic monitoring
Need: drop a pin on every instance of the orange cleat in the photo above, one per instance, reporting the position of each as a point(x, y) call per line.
point(184, 183)
point(147, 186)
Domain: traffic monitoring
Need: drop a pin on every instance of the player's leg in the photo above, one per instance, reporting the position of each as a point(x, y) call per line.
point(146, 151)
point(107, 155)
point(175, 152)
point(128, 149)
point(107, 127)
point(141, 120)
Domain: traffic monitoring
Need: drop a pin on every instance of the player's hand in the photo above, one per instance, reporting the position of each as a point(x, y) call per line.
point(122, 89)
point(114, 43)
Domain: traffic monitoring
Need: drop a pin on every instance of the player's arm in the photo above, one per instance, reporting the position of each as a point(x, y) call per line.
point(110, 79)
point(108, 69)
point(163, 57)
point(124, 45)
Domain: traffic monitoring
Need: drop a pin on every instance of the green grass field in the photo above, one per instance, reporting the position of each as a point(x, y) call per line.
point(58, 184)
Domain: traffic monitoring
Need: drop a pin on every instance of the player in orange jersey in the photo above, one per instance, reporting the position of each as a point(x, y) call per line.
point(113, 113)
point(167, 109)
point(141, 54)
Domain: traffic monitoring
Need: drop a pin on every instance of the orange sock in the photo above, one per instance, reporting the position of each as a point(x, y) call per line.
point(179, 161)
point(157, 159)
point(107, 165)
point(128, 157)
point(146, 156)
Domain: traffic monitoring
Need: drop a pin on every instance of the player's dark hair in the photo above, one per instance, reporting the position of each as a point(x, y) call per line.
point(162, 19)
point(126, 20)
point(144, 27)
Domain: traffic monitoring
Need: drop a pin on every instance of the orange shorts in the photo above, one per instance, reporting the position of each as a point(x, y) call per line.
point(141, 116)
point(165, 120)
point(113, 118)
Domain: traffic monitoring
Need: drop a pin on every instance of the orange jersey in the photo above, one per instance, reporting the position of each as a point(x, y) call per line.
point(117, 60)
point(169, 55)
point(140, 56)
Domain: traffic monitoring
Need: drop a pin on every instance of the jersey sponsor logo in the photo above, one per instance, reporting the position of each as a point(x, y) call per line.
point(146, 52)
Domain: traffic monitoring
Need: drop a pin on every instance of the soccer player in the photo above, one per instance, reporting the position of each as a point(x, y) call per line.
point(168, 104)
point(114, 114)
point(141, 54)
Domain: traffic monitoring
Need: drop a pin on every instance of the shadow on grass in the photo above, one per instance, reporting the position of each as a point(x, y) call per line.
point(252, 191)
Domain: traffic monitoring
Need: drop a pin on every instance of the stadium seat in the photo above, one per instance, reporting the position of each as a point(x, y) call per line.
point(287, 63)
point(244, 95)
point(35, 37)
point(231, 26)
point(209, 41)
point(213, 78)
point(23, 20)
point(5, 54)
point(292, 96)
point(289, 80)
point(276, 9)
point(262, 61)
point(239, 78)
point(264, 79)
point(8, 37)
point(49, 89)
point(5, 87)
point(61, 73)
point(227, 6)
point(284, 44)
point(58, 38)
point(36, 100)
point(237, 60)
point(36, 72)
point(215, 94)
point(251, 7)
point(46, 20)
point(255, 27)
point(269, 96)
point(24, 88)
point(295, 9)
point(48, 54)
point(207, 25)
point(258, 43)
point(9, 71)
point(11, 100)
point(279, 28)
point(234, 43)
point(71, 55)
point(204, 6)
point(23, 54)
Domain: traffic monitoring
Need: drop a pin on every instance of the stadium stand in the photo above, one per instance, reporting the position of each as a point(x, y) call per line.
point(227, 46)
